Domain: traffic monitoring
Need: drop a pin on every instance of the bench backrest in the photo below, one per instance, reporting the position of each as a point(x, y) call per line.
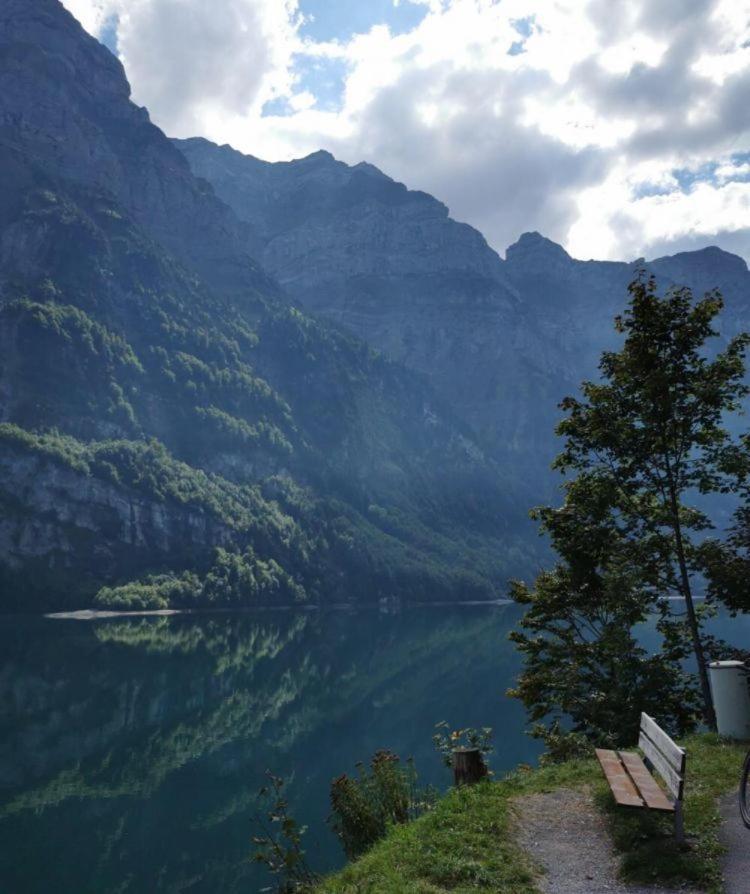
point(663, 755)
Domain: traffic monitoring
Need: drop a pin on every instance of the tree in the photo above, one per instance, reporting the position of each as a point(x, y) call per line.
point(727, 562)
point(642, 442)
point(583, 663)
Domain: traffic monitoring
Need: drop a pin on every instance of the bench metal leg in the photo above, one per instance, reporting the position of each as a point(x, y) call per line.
point(679, 826)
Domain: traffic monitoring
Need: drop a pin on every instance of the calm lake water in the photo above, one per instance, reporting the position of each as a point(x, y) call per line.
point(131, 750)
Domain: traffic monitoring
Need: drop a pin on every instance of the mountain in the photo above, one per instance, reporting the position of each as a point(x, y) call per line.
point(391, 266)
point(502, 340)
point(166, 414)
point(227, 381)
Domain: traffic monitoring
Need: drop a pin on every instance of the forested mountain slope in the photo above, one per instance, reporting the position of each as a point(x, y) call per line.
point(160, 399)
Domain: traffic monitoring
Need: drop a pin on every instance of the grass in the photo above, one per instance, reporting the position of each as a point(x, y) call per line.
point(467, 843)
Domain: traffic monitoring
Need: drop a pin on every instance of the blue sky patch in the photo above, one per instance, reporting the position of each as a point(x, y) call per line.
point(322, 77)
point(525, 28)
point(108, 34)
point(646, 190)
point(340, 19)
point(687, 178)
point(278, 107)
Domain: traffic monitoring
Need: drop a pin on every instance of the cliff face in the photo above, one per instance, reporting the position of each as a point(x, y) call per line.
point(136, 324)
point(576, 301)
point(53, 512)
point(390, 265)
point(65, 112)
point(503, 341)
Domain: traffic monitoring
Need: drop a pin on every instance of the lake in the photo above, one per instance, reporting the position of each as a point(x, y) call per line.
point(132, 750)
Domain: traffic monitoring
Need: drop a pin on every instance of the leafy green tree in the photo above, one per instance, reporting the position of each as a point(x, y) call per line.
point(584, 667)
point(641, 443)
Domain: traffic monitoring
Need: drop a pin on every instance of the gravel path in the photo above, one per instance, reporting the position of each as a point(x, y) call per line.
point(736, 862)
point(568, 837)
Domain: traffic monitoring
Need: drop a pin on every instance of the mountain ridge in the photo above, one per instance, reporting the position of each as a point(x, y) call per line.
point(503, 339)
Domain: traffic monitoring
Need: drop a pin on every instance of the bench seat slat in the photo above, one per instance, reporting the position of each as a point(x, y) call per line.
point(626, 794)
point(647, 786)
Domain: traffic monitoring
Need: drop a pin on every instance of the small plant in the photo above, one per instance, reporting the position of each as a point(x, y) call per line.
point(386, 793)
point(447, 741)
point(280, 844)
point(563, 745)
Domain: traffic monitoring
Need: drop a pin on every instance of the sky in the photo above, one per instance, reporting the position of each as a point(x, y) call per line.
point(618, 128)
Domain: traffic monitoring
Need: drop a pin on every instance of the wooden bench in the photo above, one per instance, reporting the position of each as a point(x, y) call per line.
point(631, 779)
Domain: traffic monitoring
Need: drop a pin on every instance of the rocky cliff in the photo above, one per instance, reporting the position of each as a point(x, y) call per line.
point(65, 112)
point(392, 266)
point(502, 340)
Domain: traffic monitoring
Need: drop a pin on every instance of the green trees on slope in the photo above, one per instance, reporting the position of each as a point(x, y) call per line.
point(647, 445)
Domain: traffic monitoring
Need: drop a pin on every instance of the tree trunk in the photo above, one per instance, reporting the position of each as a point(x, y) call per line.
point(708, 703)
point(468, 766)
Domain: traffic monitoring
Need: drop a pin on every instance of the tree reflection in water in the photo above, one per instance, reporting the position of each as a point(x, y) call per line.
point(131, 750)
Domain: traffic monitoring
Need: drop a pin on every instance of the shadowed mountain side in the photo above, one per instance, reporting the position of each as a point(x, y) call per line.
point(390, 265)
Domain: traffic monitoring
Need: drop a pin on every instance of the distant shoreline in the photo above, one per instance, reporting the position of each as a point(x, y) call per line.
point(89, 614)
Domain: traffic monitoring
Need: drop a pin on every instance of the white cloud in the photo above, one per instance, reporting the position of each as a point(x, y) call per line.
point(613, 218)
point(90, 13)
point(191, 62)
point(556, 115)
point(731, 171)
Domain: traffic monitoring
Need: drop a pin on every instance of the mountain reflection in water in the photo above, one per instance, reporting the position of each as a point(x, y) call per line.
point(132, 750)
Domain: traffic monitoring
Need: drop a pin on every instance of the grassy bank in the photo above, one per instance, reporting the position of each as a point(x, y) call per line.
point(467, 843)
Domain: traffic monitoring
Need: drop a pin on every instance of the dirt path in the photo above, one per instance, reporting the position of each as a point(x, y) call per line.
point(735, 837)
point(568, 838)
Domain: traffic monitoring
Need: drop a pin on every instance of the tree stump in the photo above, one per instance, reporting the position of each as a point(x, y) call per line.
point(468, 766)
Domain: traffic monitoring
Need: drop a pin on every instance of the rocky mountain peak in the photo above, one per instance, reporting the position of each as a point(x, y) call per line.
point(320, 156)
point(55, 39)
point(365, 167)
point(707, 269)
point(709, 260)
point(533, 248)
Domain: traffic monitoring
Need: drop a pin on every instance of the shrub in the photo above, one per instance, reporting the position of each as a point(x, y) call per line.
point(363, 807)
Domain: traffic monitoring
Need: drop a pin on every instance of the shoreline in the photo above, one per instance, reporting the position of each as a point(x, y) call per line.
point(89, 614)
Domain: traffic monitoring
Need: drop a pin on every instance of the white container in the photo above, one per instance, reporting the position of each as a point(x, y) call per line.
point(731, 693)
